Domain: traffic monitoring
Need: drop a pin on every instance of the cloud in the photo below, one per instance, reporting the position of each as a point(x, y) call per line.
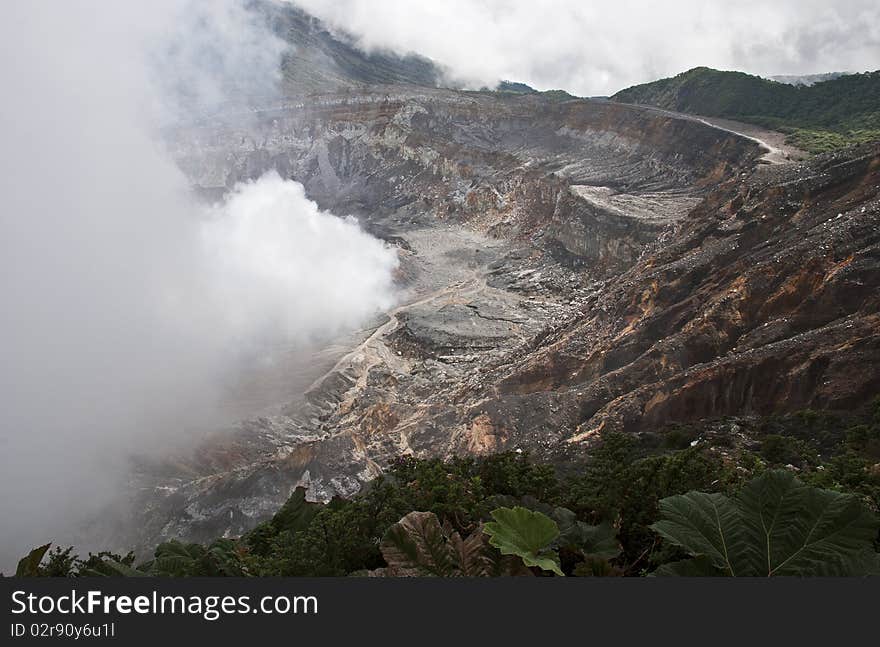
point(278, 267)
point(210, 53)
point(599, 47)
point(127, 305)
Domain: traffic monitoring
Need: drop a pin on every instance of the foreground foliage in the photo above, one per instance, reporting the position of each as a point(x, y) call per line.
point(661, 503)
point(527, 534)
point(418, 545)
point(774, 526)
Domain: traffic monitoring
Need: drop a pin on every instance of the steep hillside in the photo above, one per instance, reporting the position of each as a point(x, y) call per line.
point(820, 117)
point(320, 59)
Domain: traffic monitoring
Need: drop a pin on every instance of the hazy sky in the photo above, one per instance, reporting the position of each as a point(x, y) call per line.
point(595, 47)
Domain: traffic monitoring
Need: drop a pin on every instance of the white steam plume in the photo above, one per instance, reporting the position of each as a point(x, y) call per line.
point(278, 265)
point(125, 304)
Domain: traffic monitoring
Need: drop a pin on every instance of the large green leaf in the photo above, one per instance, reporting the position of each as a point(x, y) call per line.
point(707, 525)
point(798, 529)
point(595, 541)
point(498, 565)
point(863, 564)
point(526, 534)
point(29, 565)
point(775, 526)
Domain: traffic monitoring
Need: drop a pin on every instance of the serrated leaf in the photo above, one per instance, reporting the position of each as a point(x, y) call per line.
point(707, 525)
point(469, 553)
point(526, 534)
point(498, 565)
point(797, 529)
point(597, 541)
point(775, 526)
point(418, 545)
point(863, 564)
point(415, 545)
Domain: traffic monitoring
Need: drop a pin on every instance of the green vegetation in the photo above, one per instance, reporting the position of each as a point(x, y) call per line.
point(520, 541)
point(514, 87)
point(419, 545)
point(774, 526)
point(689, 499)
point(818, 118)
point(527, 534)
point(558, 95)
point(519, 89)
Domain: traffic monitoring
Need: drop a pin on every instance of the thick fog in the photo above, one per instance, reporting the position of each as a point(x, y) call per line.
point(598, 47)
point(126, 306)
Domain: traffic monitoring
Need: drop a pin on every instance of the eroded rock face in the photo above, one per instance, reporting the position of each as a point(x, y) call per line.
point(765, 300)
point(570, 267)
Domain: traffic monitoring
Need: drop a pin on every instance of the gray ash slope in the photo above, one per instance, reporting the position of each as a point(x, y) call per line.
point(569, 267)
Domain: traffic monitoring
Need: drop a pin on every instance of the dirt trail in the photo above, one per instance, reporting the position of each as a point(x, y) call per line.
point(373, 350)
point(778, 151)
point(448, 265)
